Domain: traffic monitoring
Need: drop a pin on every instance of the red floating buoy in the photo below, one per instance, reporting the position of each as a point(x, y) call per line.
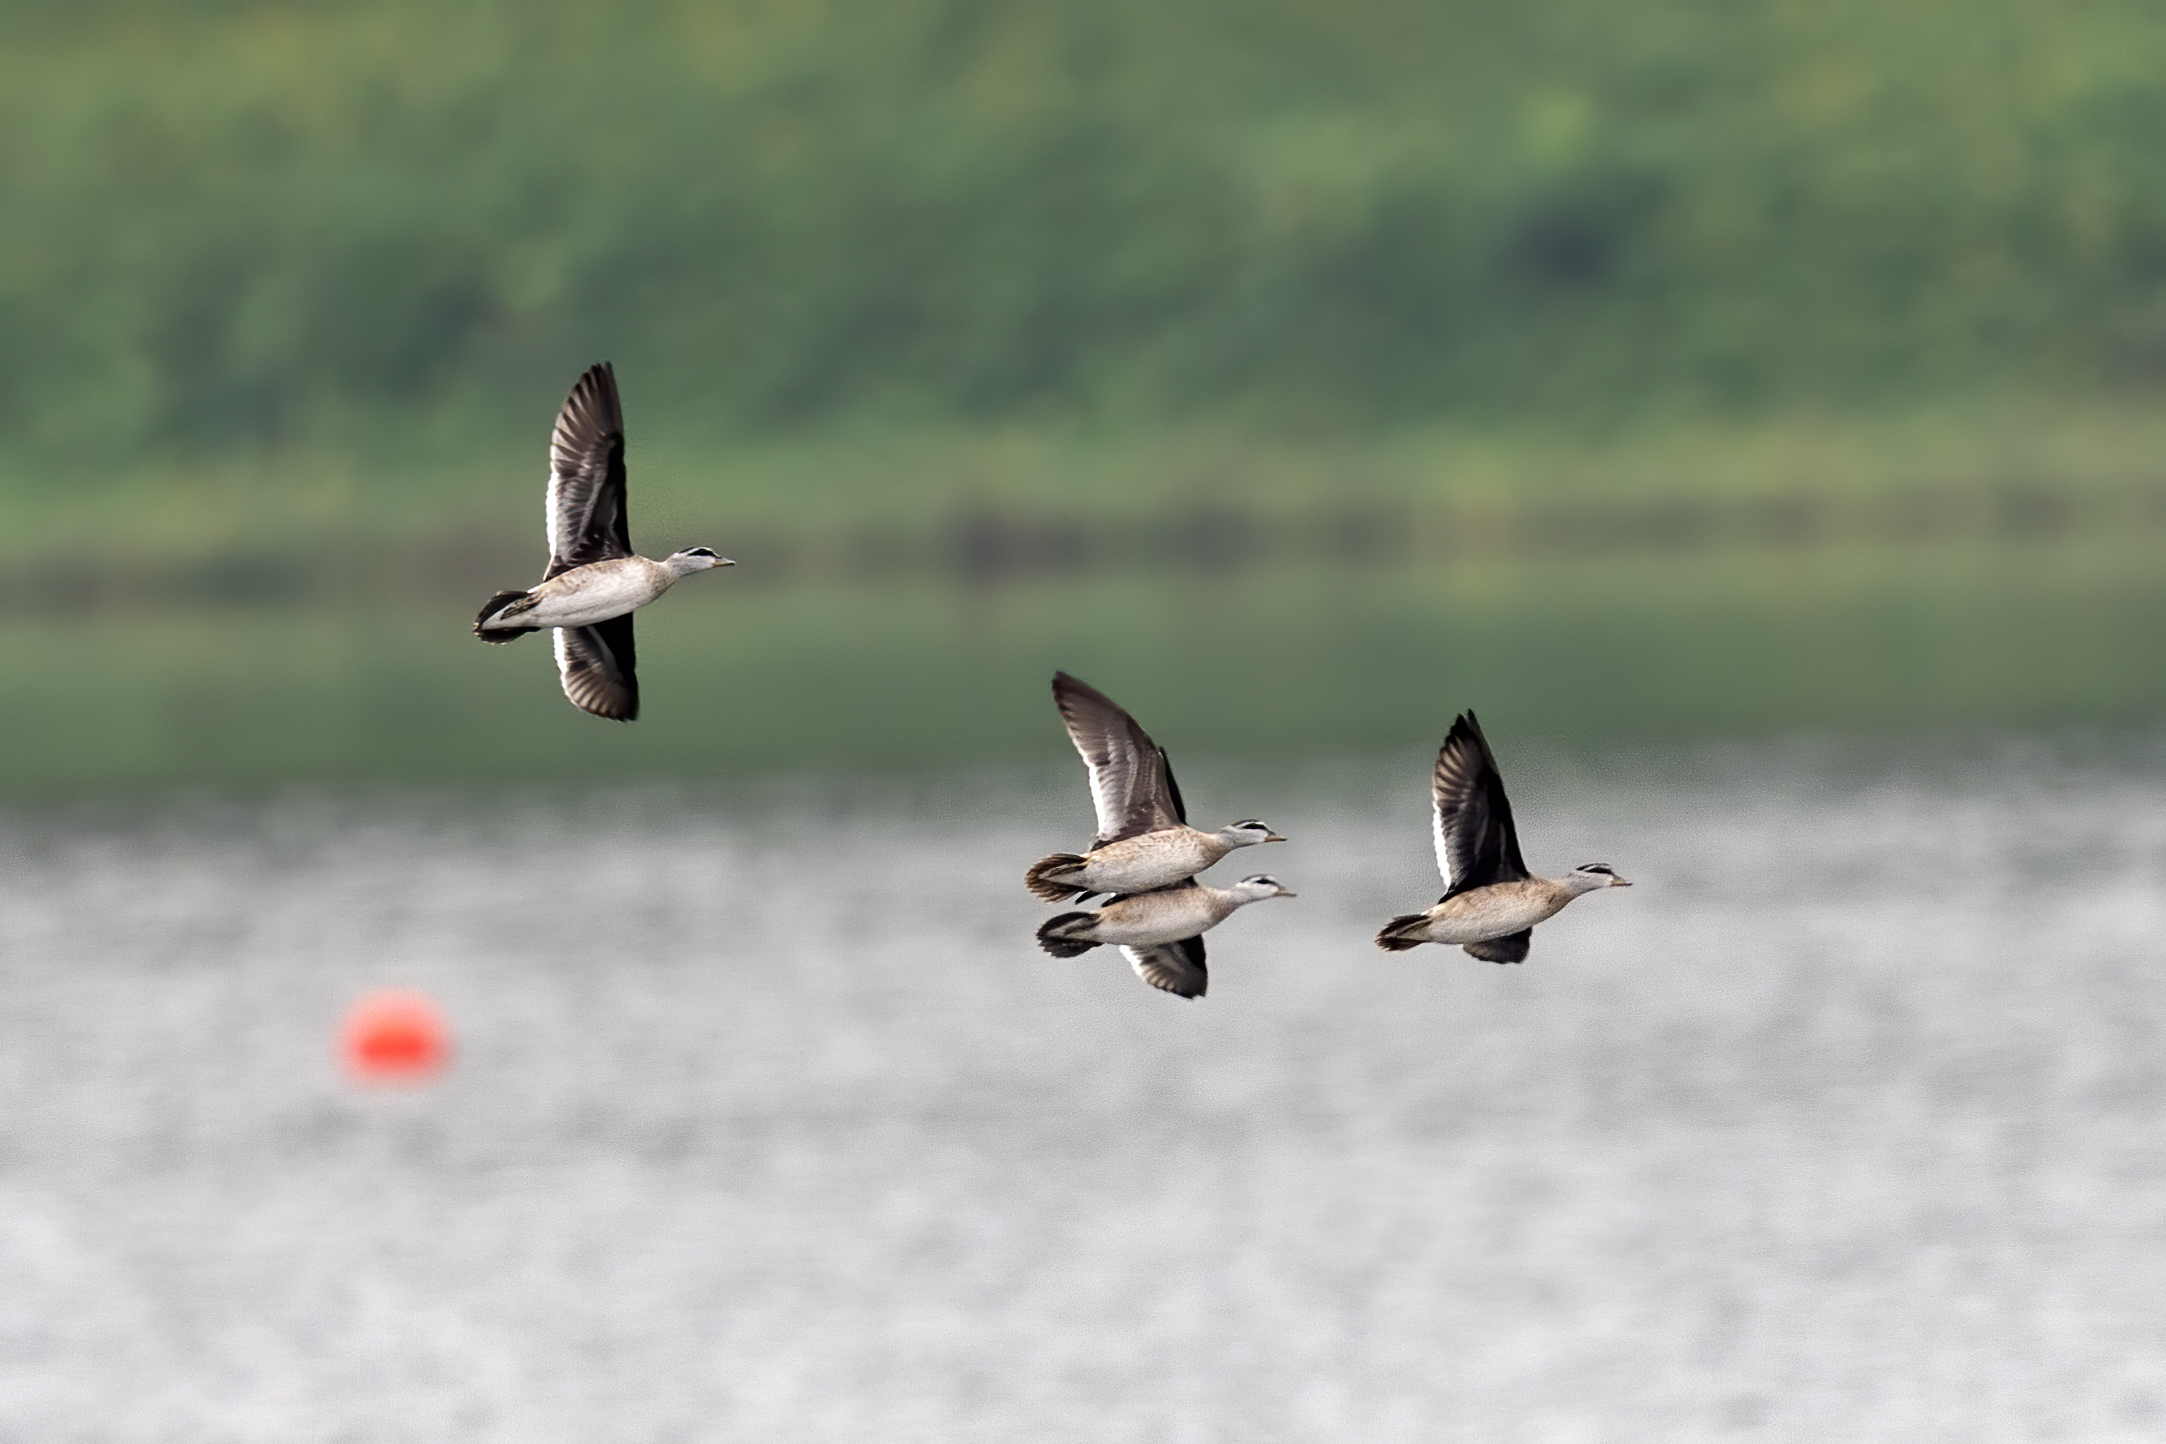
point(395, 1036)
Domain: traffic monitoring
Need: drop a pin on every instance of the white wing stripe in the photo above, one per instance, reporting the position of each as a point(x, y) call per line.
point(552, 514)
point(1442, 838)
point(1109, 795)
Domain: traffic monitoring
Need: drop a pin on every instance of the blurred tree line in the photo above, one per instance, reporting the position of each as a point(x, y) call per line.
point(248, 224)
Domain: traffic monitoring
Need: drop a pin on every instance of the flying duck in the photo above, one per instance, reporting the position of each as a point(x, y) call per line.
point(595, 581)
point(1144, 840)
point(1160, 933)
point(1491, 903)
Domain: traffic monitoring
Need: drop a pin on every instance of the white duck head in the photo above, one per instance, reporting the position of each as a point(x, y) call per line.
point(1246, 833)
point(1256, 889)
point(694, 559)
point(1590, 875)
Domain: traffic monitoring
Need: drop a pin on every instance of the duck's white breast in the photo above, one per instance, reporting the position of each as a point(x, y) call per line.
point(1156, 859)
point(1495, 911)
point(596, 592)
point(1158, 917)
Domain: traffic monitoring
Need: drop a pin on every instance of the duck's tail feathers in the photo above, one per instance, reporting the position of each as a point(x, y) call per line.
point(1401, 933)
point(1051, 940)
point(499, 605)
point(1041, 882)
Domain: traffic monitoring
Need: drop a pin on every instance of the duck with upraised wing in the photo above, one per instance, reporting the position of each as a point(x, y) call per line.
point(1144, 840)
point(1491, 902)
point(595, 580)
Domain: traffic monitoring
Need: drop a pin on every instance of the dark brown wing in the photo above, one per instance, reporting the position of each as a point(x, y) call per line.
point(598, 666)
point(1176, 968)
point(1132, 783)
point(1511, 948)
point(1476, 842)
point(587, 521)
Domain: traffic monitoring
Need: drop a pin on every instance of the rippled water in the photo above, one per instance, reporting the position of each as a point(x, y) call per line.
point(768, 1122)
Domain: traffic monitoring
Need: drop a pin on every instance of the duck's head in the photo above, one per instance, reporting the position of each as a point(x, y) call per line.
point(1257, 888)
point(1590, 875)
point(695, 559)
point(1247, 833)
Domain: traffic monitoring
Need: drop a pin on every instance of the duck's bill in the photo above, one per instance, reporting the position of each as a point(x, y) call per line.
point(1273, 837)
point(1286, 892)
point(1616, 881)
point(725, 561)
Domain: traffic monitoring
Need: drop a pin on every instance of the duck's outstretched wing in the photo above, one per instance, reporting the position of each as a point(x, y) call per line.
point(1476, 842)
point(1132, 784)
point(1175, 968)
point(1511, 948)
point(598, 666)
point(586, 515)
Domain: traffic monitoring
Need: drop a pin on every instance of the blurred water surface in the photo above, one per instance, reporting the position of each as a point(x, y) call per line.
point(769, 1123)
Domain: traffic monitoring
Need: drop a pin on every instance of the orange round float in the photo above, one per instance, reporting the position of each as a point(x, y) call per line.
point(395, 1036)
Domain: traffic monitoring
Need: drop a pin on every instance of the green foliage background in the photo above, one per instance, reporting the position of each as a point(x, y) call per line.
point(238, 224)
point(1627, 368)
